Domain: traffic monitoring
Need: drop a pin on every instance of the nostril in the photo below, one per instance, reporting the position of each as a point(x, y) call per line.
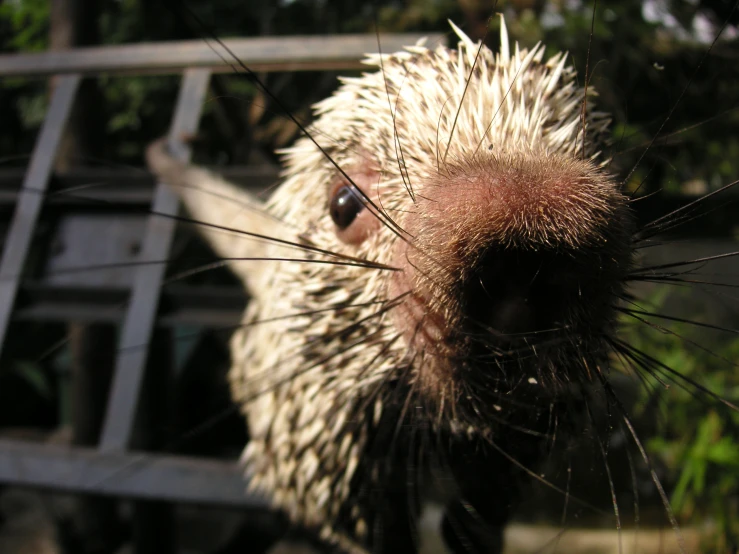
point(512, 316)
point(519, 296)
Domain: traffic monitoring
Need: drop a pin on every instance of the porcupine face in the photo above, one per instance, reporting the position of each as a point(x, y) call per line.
point(512, 273)
point(507, 243)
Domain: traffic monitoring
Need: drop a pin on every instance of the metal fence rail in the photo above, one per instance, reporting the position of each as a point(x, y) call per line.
point(130, 475)
point(296, 53)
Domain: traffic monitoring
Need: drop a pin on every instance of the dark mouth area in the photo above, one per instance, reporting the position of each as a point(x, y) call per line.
point(517, 298)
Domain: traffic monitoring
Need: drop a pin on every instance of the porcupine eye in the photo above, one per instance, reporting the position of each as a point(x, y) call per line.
point(345, 206)
point(351, 211)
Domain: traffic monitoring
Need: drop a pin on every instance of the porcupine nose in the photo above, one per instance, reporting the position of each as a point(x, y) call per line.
point(513, 249)
point(513, 295)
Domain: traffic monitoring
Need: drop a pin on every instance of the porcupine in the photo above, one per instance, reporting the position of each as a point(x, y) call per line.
point(469, 247)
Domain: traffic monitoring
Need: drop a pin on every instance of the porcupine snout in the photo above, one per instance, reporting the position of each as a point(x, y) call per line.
point(514, 259)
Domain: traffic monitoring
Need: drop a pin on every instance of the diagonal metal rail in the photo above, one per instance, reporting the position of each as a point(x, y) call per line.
point(31, 198)
point(139, 322)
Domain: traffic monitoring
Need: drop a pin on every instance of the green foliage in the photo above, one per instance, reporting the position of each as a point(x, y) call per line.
point(35, 376)
point(24, 27)
point(696, 434)
point(28, 22)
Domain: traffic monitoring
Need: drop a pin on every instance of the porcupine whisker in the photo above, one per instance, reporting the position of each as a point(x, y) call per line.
point(519, 352)
point(210, 422)
point(62, 342)
point(686, 340)
point(404, 410)
point(681, 219)
point(372, 396)
point(636, 273)
point(193, 271)
point(228, 261)
point(198, 428)
point(665, 137)
point(400, 211)
point(309, 125)
point(292, 375)
point(668, 218)
point(87, 186)
point(213, 420)
point(243, 205)
point(56, 346)
point(488, 330)
point(497, 111)
point(586, 82)
point(553, 423)
point(647, 460)
point(393, 111)
point(438, 128)
point(414, 469)
point(466, 87)
point(282, 242)
point(609, 476)
point(171, 446)
point(409, 467)
point(554, 540)
point(268, 320)
point(446, 468)
point(630, 311)
point(389, 305)
point(535, 476)
point(460, 531)
point(224, 261)
point(242, 233)
point(519, 428)
point(681, 95)
point(46, 193)
point(639, 366)
point(384, 218)
point(675, 279)
point(632, 360)
point(522, 354)
point(403, 169)
point(502, 398)
point(420, 272)
point(650, 243)
point(396, 139)
point(715, 289)
point(634, 488)
point(565, 526)
point(652, 365)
